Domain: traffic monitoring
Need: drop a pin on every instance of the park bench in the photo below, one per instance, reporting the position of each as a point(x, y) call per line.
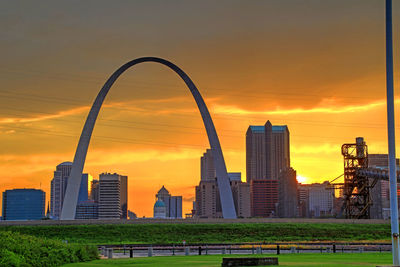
point(249, 261)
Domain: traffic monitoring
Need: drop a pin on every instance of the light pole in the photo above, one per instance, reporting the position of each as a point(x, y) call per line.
point(391, 135)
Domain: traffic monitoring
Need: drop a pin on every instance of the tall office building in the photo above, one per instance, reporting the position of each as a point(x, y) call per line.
point(277, 150)
point(287, 194)
point(173, 204)
point(113, 196)
point(267, 155)
point(23, 204)
point(207, 169)
point(255, 153)
point(208, 203)
point(59, 185)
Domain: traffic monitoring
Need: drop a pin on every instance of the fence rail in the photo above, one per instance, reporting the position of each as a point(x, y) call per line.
point(146, 250)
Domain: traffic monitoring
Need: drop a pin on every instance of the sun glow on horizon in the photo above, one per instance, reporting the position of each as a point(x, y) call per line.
point(302, 179)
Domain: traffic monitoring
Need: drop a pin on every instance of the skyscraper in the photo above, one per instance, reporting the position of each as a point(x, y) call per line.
point(113, 196)
point(267, 155)
point(208, 203)
point(207, 169)
point(277, 149)
point(287, 194)
point(255, 153)
point(59, 185)
point(23, 204)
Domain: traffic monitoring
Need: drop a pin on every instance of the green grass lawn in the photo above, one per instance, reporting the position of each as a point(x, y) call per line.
point(307, 259)
point(207, 233)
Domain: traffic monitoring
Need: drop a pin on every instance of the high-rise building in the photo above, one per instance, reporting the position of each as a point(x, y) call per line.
point(208, 203)
point(267, 156)
point(287, 194)
point(207, 169)
point(255, 153)
point(23, 204)
point(173, 204)
point(277, 149)
point(112, 188)
point(59, 185)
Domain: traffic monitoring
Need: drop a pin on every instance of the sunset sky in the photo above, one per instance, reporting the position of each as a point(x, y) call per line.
point(316, 66)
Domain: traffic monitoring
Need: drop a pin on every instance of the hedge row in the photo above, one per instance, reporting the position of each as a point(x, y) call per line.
point(23, 250)
point(206, 233)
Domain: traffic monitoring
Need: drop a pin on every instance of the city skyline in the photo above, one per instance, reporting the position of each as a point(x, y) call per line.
point(336, 89)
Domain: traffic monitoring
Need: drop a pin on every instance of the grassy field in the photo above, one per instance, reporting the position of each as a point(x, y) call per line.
point(325, 260)
point(207, 233)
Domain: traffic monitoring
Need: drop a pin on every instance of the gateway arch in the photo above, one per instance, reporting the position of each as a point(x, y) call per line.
point(74, 180)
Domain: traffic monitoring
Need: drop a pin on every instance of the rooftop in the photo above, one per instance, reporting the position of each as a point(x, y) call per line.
point(65, 163)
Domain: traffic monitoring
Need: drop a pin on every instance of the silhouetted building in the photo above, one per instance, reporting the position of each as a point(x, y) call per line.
point(207, 169)
point(208, 204)
point(303, 201)
point(87, 210)
point(124, 197)
point(267, 155)
point(23, 204)
point(380, 208)
point(94, 192)
point(59, 185)
point(277, 149)
point(173, 204)
point(287, 194)
point(264, 198)
point(320, 199)
point(112, 196)
point(255, 153)
point(241, 195)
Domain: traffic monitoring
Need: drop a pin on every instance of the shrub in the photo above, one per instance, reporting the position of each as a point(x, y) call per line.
point(22, 250)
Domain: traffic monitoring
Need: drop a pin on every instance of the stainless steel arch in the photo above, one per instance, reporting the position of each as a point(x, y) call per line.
point(71, 194)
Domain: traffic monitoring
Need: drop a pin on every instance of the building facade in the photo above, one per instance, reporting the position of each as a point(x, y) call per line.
point(255, 153)
point(112, 196)
point(87, 210)
point(23, 204)
point(380, 198)
point(208, 203)
point(263, 197)
point(267, 157)
point(207, 168)
point(160, 210)
point(319, 199)
point(59, 185)
point(173, 204)
point(287, 194)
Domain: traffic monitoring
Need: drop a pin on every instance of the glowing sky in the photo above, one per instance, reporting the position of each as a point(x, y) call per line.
point(316, 66)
